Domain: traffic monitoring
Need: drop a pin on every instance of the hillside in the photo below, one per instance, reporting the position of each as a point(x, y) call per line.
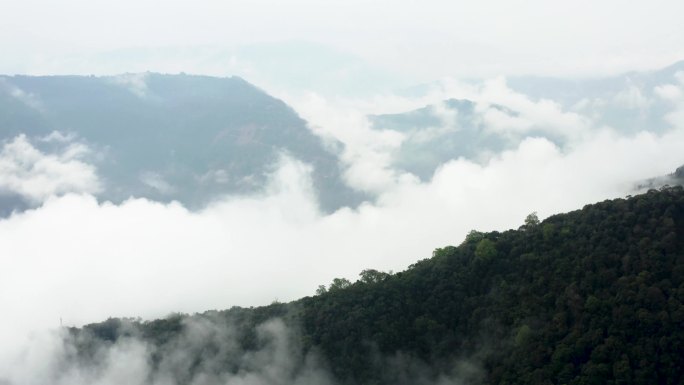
point(168, 137)
point(593, 296)
point(630, 103)
point(438, 133)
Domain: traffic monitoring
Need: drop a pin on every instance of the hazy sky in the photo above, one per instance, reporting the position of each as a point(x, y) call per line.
point(414, 40)
point(334, 62)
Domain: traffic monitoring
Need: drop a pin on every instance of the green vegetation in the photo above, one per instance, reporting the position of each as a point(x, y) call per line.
point(589, 297)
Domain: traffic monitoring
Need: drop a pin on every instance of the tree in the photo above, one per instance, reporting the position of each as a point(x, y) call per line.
point(531, 220)
point(339, 283)
point(372, 276)
point(321, 290)
point(473, 236)
point(485, 250)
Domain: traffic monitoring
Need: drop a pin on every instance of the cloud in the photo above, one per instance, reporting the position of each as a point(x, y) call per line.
point(82, 260)
point(523, 115)
point(206, 349)
point(58, 137)
point(157, 182)
point(143, 258)
point(673, 94)
point(367, 152)
point(210, 349)
point(198, 354)
point(632, 98)
point(448, 123)
point(34, 175)
point(27, 98)
point(370, 153)
point(136, 83)
point(669, 92)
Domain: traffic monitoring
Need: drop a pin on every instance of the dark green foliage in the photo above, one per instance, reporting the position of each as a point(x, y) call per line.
point(199, 337)
point(589, 297)
point(372, 276)
point(531, 220)
point(339, 283)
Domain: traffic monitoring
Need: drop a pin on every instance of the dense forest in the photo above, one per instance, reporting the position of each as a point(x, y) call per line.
point(593, 296)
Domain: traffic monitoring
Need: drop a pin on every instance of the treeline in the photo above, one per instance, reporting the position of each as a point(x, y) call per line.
point(589, 297)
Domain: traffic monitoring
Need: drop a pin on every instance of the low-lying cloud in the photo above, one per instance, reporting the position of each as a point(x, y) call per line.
point(24, 97)
point(79, 260)
point(34, 175)
point(206, 351)
point(674, 94)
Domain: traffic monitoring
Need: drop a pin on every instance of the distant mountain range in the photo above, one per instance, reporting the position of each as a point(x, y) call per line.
point(169, 137)
point(436, 133)
point(196, 138)
point(630, 102)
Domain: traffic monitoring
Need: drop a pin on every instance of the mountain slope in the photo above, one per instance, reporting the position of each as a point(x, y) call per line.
point(436, 134)
point(506, 111)
point(674, 179)
point(171, 137)
point(594, 296)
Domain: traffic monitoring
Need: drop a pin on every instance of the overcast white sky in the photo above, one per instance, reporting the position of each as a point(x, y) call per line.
point(416, 40)
point(83, 261)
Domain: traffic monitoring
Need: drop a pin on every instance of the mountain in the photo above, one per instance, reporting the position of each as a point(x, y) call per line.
point(594, 296)
point(674, 179)
point(630, 101)
point(168, 137)
point(678, 175)
point(436, 133)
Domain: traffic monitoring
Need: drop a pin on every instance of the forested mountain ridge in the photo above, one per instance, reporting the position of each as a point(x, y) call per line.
point(593, 296)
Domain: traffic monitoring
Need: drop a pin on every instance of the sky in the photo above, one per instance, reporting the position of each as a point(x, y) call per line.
point(408, 42)
point(334, 62)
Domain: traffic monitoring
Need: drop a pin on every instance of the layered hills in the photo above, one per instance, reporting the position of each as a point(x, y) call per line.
point(195, 139)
